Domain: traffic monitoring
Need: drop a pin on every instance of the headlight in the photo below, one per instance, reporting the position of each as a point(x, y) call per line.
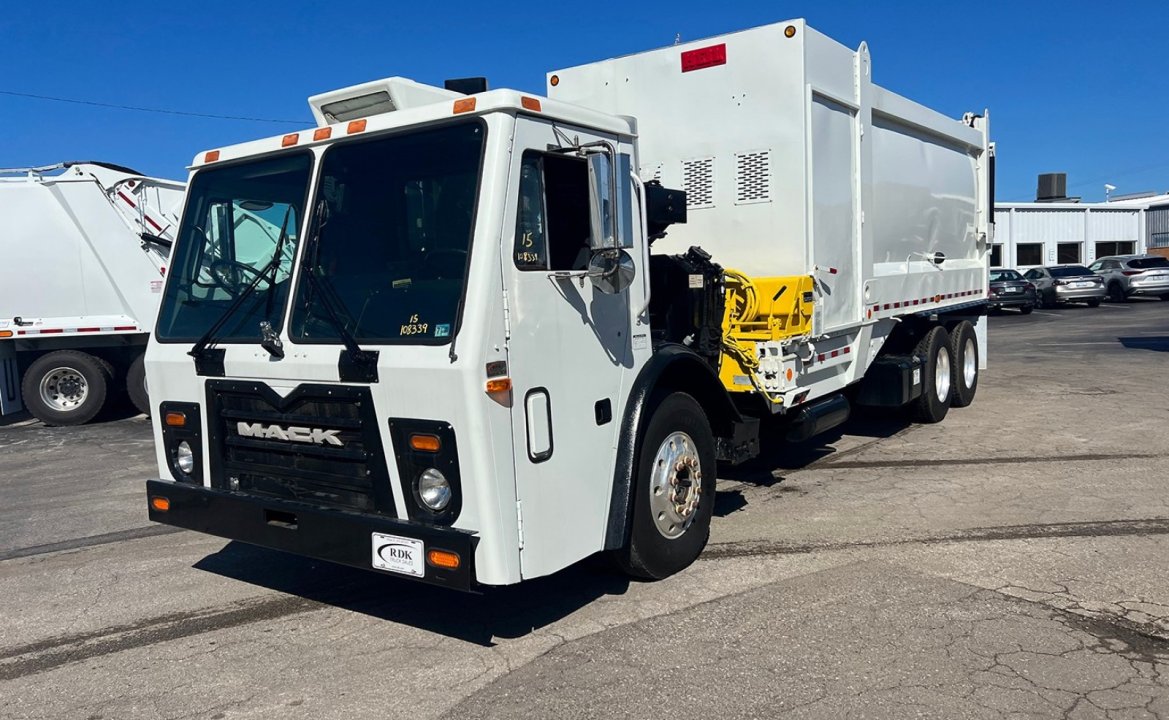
point(184, 458)
point(434, 490)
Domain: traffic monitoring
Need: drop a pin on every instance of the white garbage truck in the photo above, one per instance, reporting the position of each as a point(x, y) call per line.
point(500, 332)
point(83, 253)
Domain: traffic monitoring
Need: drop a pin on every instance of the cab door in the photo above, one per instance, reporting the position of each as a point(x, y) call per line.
point(568, 354)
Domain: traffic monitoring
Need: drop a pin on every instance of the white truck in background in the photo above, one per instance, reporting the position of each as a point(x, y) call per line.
point(462, 363)
point(83, 255)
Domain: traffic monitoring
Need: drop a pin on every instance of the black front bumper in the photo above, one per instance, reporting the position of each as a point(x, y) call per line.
point(338, 536)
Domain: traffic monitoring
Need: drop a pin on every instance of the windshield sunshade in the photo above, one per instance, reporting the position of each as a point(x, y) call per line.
point(242, 221)
point(390, 238)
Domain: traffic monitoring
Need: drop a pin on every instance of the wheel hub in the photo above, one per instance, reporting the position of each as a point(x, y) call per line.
point(675, 491)
point(64, 389)
point(942, 375)
point(969, 362)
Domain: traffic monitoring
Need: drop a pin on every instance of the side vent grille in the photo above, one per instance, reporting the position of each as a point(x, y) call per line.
point(698, 182)
point(753, 177)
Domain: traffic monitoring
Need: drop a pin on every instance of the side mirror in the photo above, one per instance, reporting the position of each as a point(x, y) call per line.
point(611, 271)
point(602, 230)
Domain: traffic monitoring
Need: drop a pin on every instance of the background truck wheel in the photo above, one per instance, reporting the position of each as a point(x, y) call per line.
point(936, 377)
point(673, 491)
point(964, 354)
point(66, 387)
point(136, 384)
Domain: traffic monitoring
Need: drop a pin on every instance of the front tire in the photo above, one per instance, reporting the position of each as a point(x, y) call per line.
point(673, 490)
point(66, 387)
point(936, 377)
point(136, 384)
point(964, 352)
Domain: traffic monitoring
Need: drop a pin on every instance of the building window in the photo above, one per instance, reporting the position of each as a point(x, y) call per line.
point(1029, 254)
point(1104, 249)
point(1067, 253)
point(996, 255)
point(1158, 240)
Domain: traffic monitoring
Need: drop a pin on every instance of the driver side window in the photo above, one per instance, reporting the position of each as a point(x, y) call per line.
point(552, 220)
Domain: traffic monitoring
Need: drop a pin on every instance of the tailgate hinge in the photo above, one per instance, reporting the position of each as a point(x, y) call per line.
point(506, 318)
point(519, 514)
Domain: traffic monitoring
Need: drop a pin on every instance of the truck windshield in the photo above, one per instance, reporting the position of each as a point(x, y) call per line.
point(391, 236)
point(231, 232)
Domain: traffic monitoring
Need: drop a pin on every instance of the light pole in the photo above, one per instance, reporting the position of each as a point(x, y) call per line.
point(1108, 191)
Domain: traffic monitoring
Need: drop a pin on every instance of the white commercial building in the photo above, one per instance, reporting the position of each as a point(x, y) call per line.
point(1030, 234)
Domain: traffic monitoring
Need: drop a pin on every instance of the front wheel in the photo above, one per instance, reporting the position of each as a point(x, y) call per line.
point(673, 490)
point(66, 387)
point(936, 377)
point(1094, 302)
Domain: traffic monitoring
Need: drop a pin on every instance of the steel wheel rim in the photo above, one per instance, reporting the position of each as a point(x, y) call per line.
point(969, 362)
point(942, 375)
point(64, 389)
point(675, 486)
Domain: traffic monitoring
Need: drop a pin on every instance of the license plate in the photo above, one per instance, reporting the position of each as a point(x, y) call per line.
point(398, 555)
point(1082, 284)
point(1014, 290)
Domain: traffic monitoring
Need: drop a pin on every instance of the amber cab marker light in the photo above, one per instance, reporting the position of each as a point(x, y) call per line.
point(443, 559)
point(5, 333)
point(289, 139)
point(176, 419)
point(356, 126)
point(530, 103)
point(322, 133)
point(498, 385)
point(554, 80)
point(789, 31)
point(464, 105)
point(211, 156)
point(425, 443)
point(159, 503)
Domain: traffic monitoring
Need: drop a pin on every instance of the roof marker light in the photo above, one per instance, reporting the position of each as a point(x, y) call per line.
point(322, 133)
point(789, 31)
point(554, 80)
point(355, 126)
point(290, 139)
point(704, 57)
point(530, 103)
point(464, 105)
point(211, 156)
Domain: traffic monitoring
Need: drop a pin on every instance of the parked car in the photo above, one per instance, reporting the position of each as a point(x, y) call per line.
point(1009, 289)
point(1128, 276)
point(1058, 284)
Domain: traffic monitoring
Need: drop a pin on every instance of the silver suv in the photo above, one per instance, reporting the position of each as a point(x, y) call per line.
point(1129, 275)
point(1059, 284)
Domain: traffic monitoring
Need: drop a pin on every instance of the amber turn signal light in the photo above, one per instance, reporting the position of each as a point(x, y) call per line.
point(211, 156)
point(355, 126)
point(443, 559)
point(159, 503)
point(425, 443)
point(499, 385)
point(175, 419)
point(464, 105)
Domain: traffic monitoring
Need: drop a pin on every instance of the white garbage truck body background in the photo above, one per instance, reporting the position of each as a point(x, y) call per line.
point(464, 364)
point(84, 249)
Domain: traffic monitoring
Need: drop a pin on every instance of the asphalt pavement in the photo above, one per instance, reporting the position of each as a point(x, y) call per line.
point(1009, 562)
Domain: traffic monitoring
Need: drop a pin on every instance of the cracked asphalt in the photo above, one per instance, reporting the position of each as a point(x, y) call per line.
point(1008, 563)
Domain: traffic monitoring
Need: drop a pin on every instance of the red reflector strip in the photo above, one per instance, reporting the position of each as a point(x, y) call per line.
point(120, 328)
point(153, 224)
point(126, 197)
point(88, 329)
point(51, 331)
point(704, 57)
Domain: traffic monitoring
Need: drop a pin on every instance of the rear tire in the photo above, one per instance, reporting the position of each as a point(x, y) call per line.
point(1116, 293)
point(66, 387)
point(675, 467)
point(936, 377)
point(136, 384)
point(964, 351)
point(1026, 309)
point(1094, 302)
point(1165, 296)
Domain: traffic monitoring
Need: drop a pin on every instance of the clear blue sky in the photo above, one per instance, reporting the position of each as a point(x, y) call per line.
point(1075, 86)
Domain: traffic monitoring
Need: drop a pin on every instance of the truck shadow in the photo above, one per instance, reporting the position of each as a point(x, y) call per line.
point(498, 612)
point(1156, 343)
point(777, 455)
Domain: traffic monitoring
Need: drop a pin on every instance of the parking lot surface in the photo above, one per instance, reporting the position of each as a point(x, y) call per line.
point(1009, 562)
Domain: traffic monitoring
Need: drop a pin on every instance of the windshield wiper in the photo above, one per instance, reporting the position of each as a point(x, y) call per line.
point(199, 350)
point(355, 364)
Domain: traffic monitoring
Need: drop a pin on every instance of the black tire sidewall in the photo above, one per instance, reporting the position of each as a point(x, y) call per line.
point(136, 384)
point(650, 554)
point(960, 394)
point(97, 377)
